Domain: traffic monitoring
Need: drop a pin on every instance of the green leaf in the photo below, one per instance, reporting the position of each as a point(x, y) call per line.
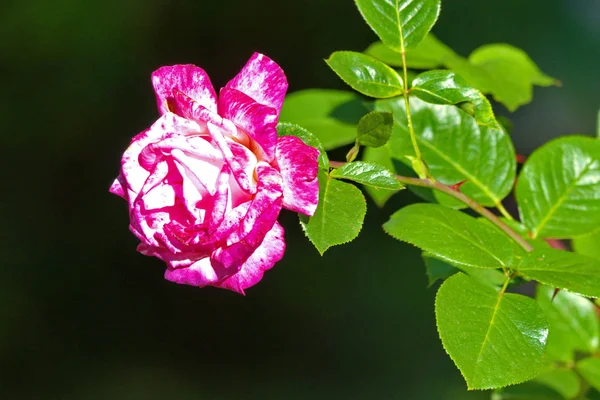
point(400, 24)
point(562, 380)
point(495, 339)
point(331, 115)
point(370, 174)
point(573, 323)
point(589, 368)
point(429, 54)
point(339, 216)
point(455, 149)
point(380, 156)
point(558, 190)
point(588, 245)
point(287, 129)
point(440, 270)
point(563, 270)
point(375, 129)
point(452, 236)
point(521, 230)
point(365, 74)
point(448, 88)
point(526, 391)
point(504, 71)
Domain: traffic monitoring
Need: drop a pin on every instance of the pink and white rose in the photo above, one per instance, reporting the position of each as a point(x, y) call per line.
point(206, 182)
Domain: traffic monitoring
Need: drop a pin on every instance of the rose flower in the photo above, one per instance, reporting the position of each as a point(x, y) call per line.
point(205, 183)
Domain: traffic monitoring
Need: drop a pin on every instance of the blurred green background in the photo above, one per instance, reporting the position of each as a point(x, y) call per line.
point(83, 316)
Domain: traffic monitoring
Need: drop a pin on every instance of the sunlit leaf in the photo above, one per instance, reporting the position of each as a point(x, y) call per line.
point(339, 216)
point(429, 54)
point(455, 149)
point(453, 236)
point(558, 190)
point(400, 24)
point(446, 87)
point(370, 174)
point(366, 74)
point(494, 339)
point(381, 156)
point(564, 270)
point(331, 115)
point(504, 71)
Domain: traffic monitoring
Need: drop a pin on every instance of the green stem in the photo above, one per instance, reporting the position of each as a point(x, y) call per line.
point(506, 282)
point(504, 212)
point(475, 206)
point(411, 129)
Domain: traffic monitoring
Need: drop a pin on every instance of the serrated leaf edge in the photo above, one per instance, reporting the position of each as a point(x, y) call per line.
point(362, 221)
point(443, 258)
point(401, 88)
point(536, 373)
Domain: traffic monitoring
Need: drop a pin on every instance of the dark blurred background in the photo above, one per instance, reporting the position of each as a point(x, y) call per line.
point(83, 316)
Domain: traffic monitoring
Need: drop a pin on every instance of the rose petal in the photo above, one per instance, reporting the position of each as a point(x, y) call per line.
point(187, 107)
point(189, 80)
point(117, 187)
point(298, 166)
point(200, 274)
point(145, 222)
point(269, 252)
point(230, 223)
point(257, 120)
point(263, 80)
point(259, 220)
point(239, 158)
point(133, 173)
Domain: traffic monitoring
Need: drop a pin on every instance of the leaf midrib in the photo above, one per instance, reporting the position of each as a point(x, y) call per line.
point(487, 333)
point(323, 212)
point(561, 199)
point(459, 168)
point(457, 233)
point(399, 24)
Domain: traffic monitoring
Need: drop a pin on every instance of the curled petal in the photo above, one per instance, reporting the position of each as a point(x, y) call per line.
point(257, 222)
point(238, 157)
point(148, 214)
point(187, 107)
point(257, 120)
point(118, 187)
point(189, 80)
point(220, 202)
point(263, 80)
point(230, 222)
point(133, 173)
point(298, 166)
point(201, 273)
point(269, 252)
